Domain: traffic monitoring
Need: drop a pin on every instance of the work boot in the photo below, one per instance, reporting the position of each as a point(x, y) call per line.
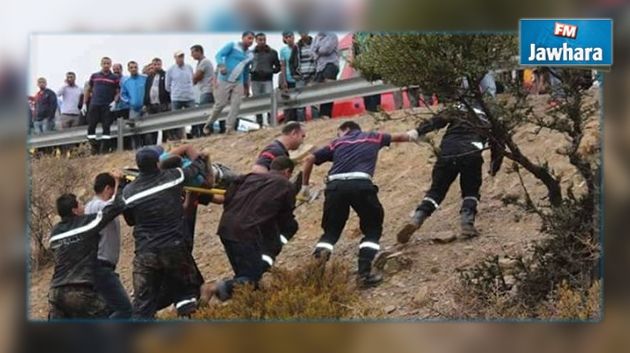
point(467, 222)
point(368, 280)
point(187, 309)
point(94, 147)
point(417, 219)
point(103, 146)
point(322, 254)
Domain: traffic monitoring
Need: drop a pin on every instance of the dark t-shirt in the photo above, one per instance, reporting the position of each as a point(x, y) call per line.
point(271, 152)
point(258, 205)
point(74, 243)
point(104, 87)
point(154, 207)
point(356, 151)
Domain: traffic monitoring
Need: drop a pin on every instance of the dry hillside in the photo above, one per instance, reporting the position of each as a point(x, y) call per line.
point(420, 281)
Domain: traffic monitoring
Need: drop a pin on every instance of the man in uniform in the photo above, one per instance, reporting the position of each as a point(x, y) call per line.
point(74, 243)
point(162, 254)
point(460, 154)
point(293, 134)
point(349, 184)
point(257, 207)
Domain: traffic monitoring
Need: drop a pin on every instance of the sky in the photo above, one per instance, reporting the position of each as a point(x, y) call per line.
point(52, 55)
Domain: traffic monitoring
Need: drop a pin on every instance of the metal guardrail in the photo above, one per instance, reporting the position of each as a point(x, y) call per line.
point(316, 94)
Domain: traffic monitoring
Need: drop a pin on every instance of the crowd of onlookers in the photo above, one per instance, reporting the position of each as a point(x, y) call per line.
point(240, 69)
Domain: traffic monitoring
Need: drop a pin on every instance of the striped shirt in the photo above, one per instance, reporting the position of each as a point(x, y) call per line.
point(306, 59)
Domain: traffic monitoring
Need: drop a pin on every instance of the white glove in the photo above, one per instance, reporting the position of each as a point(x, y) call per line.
point(413, 135)
point(304, 193)
point(84, 109)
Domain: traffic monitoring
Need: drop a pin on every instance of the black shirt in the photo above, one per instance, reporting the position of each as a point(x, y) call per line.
point(255, 204)
point(155, 209)
point(74, 243)
point(462, 134)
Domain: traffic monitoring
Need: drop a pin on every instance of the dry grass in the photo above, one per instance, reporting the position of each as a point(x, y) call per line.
point(52, 176)
point(307, 293)
point(565, 303)
point(571, 304)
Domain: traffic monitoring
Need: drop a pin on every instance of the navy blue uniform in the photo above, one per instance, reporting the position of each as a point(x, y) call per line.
point(271, 152)
point(104, 87)
point(162, 252)
point(354, 157)
point(74, 243)
point(460, 154)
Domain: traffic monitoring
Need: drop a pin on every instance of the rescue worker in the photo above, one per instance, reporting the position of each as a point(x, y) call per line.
point(293, 134)
point(162, 254)
point(460, 154)
point(349, 184)
point(180, 157)
point(74, 244)
point(256, 205)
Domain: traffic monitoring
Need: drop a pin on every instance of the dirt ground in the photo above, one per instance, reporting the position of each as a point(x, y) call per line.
point(423, 286)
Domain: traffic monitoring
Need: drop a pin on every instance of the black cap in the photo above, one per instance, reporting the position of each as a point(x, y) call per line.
point(147, 158)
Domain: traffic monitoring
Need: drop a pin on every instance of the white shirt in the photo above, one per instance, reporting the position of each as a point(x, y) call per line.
point(70, 99)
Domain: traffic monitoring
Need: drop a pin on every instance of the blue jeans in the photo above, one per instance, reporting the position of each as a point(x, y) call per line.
point(41, 127)
point(178, 134)
point(107, 284)
point(206, 98)
point(301, 112)
point(259, 88)
point(177, 105)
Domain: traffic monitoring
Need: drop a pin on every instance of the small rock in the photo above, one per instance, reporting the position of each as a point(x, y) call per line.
point(391, 267)
point(422, 297)
point(507, 263)
point(392, 263)
point(509, 280)
point(444, 237)
point(390, 309)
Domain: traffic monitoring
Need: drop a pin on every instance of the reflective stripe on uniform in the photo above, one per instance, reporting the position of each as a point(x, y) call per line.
point(267, 259)
point(325, 246)
point(79, 230)
point(428, 199)
point(471, 198)
point(184, 302)
point(349, 176)
point(156, 189)
point(369, 244)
